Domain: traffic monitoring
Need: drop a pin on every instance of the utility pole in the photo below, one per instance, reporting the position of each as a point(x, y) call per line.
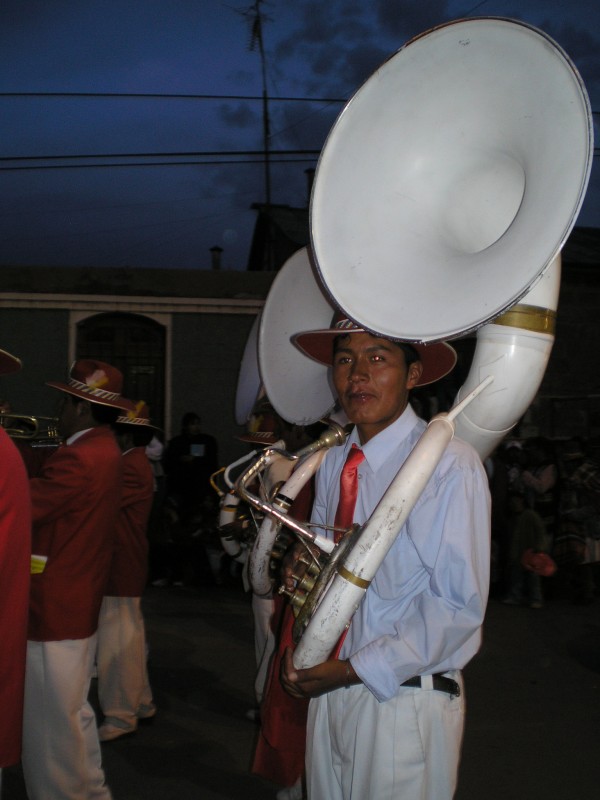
point(256, 17)
point(257, 39)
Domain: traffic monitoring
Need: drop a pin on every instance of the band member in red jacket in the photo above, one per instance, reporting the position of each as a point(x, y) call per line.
point(15, 554)
point(123, 687)
point(75, 503)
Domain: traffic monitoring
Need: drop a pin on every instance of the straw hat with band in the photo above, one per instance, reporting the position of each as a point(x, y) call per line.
point(263, 425)
point(138, 414)
point(95, 381)
point(9, 363)
point(438, 358)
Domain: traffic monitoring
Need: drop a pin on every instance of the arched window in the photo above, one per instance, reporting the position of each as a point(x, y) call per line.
point(134, 344)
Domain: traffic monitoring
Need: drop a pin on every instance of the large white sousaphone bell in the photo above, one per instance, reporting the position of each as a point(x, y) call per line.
point(451, 179)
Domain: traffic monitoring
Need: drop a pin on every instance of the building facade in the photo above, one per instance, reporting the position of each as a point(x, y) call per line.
point(179, 336)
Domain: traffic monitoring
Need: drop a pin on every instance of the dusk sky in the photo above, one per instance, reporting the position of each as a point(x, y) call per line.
point(161, 179)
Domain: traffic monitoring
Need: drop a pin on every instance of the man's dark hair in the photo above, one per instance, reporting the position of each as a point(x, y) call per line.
point(188, 419)
point(140, 434)
point(410, 353)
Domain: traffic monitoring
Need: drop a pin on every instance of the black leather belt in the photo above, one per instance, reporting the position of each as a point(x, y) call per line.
point(440, 683)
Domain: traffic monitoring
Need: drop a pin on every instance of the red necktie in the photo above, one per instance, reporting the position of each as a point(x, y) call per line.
point(344, 516)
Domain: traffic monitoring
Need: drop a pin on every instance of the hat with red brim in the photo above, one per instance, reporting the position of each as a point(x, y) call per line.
point(138, 414)
point(263, 424)
point(438, 358)
point(94, 381)
point(264, 438)
point(9, 363)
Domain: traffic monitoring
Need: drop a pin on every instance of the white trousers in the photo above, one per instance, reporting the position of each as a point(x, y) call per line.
point(406, 748)
point(61, 752)
point(123, 686)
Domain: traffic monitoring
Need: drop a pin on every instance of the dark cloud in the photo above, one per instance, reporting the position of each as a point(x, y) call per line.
point(239, 116)
point(323, 44)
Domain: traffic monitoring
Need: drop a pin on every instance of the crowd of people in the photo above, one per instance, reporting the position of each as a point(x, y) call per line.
point(545, 500)
point(75, 520)
point(74, 561)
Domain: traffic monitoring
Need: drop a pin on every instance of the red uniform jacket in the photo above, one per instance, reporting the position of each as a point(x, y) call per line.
point(129, 567)
point(15, 554)
point(75, 503)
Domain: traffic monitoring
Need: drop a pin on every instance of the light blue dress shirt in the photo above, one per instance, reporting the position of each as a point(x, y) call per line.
point(423, 611)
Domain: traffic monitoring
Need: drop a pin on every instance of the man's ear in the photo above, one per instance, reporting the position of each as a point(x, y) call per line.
point(415, 371)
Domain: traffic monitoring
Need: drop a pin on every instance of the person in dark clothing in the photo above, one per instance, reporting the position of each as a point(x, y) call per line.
point(189, 461)
point(190, 509)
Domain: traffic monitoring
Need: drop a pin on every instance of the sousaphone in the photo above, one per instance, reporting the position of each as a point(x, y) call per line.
point(441, 201)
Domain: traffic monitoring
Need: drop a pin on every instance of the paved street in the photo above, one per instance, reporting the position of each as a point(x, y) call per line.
point(533, 719)
point(533, 714)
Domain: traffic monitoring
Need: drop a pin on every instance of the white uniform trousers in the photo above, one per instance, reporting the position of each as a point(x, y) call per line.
point(123, 685)
point(61, 752)
point(264, 641)
point(406, 748)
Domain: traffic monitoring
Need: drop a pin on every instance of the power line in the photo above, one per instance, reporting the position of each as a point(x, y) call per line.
point(183, 154)
point(165, 96)
point(200, 158)
point(160, 164)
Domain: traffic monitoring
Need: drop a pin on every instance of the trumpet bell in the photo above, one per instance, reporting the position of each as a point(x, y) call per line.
point(451, 179)
point(39, 431)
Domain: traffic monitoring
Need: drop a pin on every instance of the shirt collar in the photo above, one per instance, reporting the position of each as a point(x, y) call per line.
point(378, 449)
point(76, 436)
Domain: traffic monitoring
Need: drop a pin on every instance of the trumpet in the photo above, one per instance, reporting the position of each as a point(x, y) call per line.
point(39, 431)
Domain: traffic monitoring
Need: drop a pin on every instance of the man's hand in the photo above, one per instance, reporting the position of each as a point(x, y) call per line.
point(317, 680)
